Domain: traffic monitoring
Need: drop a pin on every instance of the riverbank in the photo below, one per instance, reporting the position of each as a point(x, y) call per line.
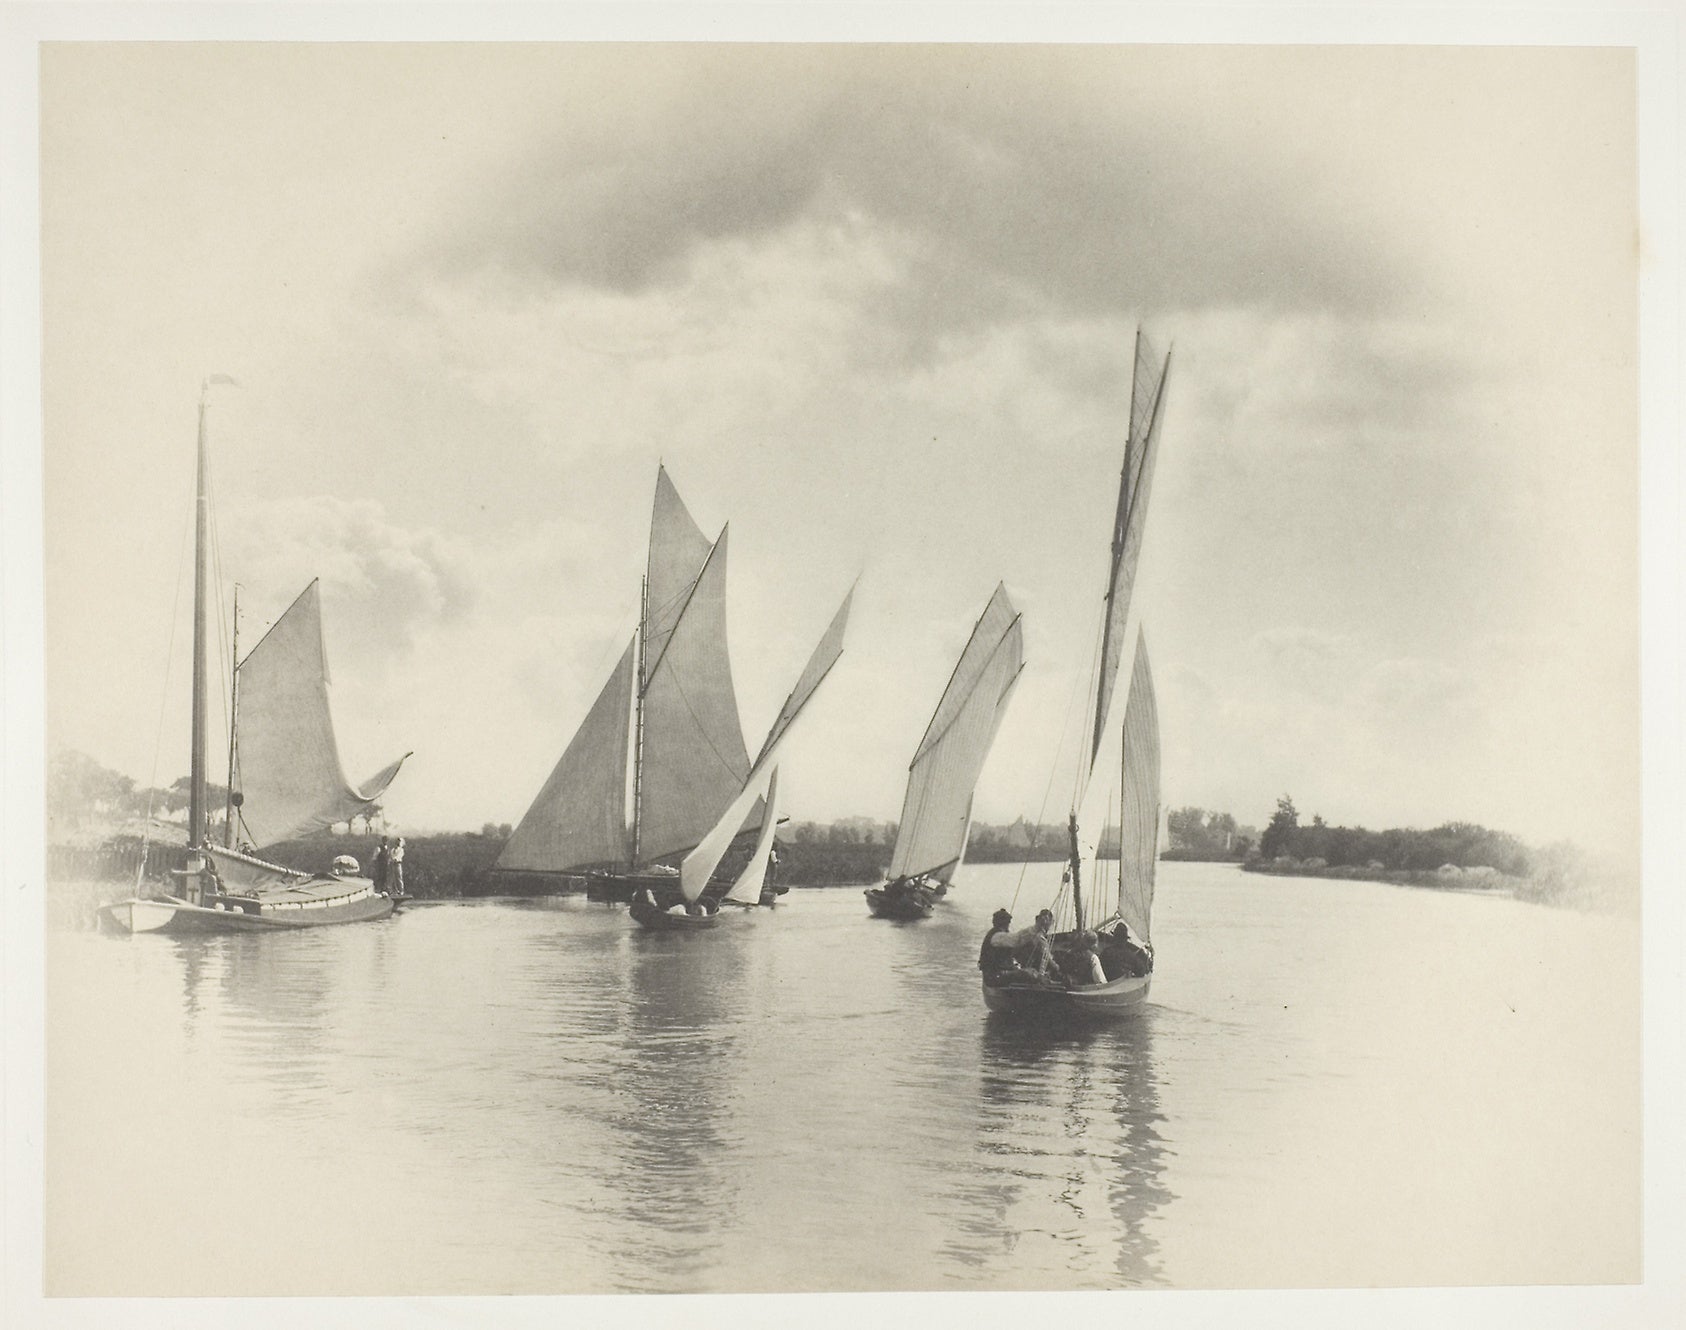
point(1562, 878)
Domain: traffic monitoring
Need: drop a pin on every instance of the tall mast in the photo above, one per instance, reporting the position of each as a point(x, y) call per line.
point(638, 719)
point(233, 725)
point(1076, 874)
point(196, 811)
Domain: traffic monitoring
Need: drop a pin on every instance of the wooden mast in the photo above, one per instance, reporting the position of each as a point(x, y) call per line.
point(638, 721)
point(233, 725)
point(196, 811)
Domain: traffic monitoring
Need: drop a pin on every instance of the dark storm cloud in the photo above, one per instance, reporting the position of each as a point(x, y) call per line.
point(1002, 181)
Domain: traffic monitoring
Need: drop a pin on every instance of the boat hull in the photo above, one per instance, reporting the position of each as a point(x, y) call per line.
point(659, 919)
point(1109, 1001)
point(898, 900)
point(177, 917)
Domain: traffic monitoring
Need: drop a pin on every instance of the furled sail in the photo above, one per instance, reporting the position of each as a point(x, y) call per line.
point(698, 866)
point(747, 889)
point(287, 762)
point(1130, 522)
point(1139, 812)
point(694, 760)
point(936, 810)
point(579, 817)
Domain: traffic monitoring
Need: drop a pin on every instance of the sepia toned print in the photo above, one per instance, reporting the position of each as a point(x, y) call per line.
point(579, 384)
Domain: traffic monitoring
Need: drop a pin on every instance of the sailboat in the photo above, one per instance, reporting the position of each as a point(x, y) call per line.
point(285, 778)
point(698, 869)
point(660, 755)
point(1103, 915)
point(937, 808)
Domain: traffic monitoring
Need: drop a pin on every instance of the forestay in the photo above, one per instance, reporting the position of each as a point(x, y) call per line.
point(936, 809)
point(287, 761)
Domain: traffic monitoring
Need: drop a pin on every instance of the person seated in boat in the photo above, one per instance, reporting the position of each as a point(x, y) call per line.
point(1084, 966)
point(1031, 948)
point(1124, 954)
point(994, 959)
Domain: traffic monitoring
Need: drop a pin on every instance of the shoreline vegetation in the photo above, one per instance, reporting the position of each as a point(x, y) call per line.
point(99, 832)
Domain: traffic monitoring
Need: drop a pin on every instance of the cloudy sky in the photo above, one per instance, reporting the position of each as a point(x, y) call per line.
point(875, 306)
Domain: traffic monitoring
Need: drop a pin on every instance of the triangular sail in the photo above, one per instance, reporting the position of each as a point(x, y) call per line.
point(287, 761)
point(698, 866)
point(694, 758)
point(1130, 523)
point(579, 817)
point(824, 656)
point(936, 810)
point(1139, 820)
point(677, 551)
point(747, 889)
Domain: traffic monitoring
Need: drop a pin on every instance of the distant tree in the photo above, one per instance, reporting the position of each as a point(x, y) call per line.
point(1279, 834)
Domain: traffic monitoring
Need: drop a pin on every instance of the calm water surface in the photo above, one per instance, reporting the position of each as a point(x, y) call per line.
point(1334, 1083)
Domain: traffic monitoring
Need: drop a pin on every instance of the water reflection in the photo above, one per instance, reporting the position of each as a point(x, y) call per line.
point(1068, 1151)
point(671, 1160)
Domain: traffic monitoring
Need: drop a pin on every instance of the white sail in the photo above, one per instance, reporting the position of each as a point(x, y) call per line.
point(694, 760)
point(287, 762)
point(1130, 523)
point(1139, 820)
point(936, 809)
point(698, 866)
point(747, 889)
point(678, 550)
point(579, 817)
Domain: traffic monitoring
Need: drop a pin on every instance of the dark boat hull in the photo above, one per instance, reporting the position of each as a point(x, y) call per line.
point(900, 903)
point(658, 918)
point(1109, 1001)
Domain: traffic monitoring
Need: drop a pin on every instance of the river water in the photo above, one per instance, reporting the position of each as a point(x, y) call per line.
point(1333, 1084)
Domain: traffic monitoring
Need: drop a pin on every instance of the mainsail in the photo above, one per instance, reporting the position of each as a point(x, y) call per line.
point(698, 866)
point(579, 816)
point(688, 758)
point(1099, 796)
point(1129, 523)
point(693, 757)
point(936, 810)
point(287, 766)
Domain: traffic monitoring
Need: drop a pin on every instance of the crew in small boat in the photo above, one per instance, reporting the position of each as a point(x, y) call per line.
point(1084, 966)
point(1031, 948)
point(995, 960)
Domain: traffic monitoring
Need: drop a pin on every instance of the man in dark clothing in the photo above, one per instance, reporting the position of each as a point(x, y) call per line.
point(377, 866)
point(995, 961)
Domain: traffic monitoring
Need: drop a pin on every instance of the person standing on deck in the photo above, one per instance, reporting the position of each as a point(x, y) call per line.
point(395, 869)
point(378, 865)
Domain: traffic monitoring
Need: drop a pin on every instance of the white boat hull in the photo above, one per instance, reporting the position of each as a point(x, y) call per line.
point(138, 914)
